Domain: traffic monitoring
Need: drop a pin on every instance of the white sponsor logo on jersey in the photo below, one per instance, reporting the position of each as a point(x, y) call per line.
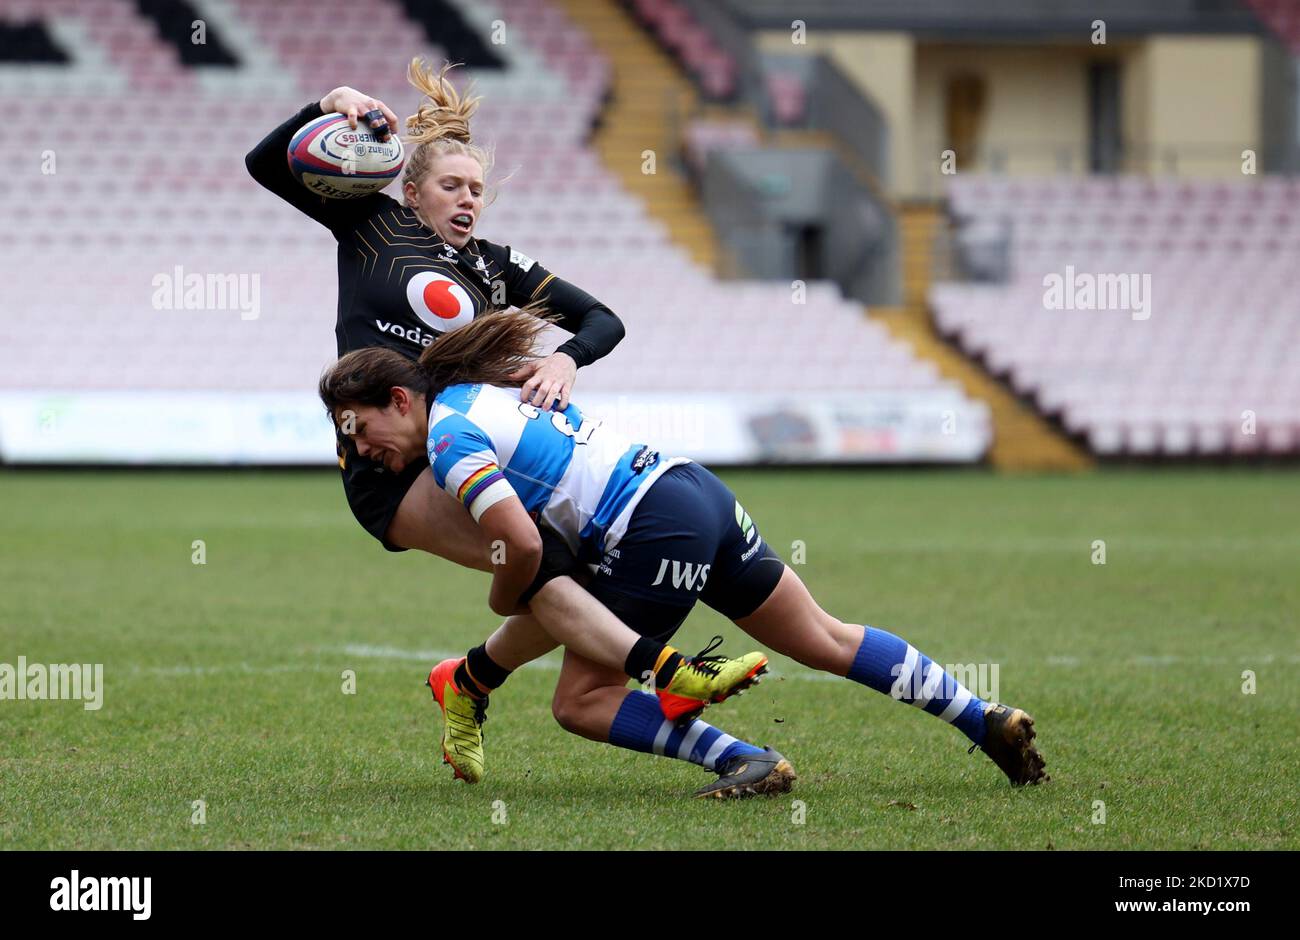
point(521, 260)
point(439, 301)
point(685, 574)
point(414, 333)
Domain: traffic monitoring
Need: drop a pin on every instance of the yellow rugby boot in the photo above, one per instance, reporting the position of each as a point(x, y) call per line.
point(462, 722)
point(702, 680)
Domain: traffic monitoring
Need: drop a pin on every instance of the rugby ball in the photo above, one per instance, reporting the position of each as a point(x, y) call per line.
point(333, 160)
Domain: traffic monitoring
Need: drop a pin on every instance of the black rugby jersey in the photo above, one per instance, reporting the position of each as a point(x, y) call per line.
point(401, 285)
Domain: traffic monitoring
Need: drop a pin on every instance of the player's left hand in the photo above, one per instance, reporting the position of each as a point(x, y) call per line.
point(548, 381)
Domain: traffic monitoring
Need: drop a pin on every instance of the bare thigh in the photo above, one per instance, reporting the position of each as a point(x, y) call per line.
point(429, 519)
point(791, 622)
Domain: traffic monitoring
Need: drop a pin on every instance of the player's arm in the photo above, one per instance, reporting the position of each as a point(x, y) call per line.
point(269, 165)
point(516, 553)
point(465, 464)
point(596, 329)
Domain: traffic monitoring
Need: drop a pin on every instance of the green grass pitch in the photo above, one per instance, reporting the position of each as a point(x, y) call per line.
point(223, 681)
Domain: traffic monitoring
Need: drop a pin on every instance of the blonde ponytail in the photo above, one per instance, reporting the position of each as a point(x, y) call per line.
point(441, 123)
point(444, 112)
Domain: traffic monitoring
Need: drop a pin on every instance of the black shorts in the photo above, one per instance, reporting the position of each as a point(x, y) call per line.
point(689, 539)
point(373, 492)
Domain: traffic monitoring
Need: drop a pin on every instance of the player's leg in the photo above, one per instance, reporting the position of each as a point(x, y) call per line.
point(767, 600)
point(563, 613)
point(594, 702)
point(650, 580)
point(649, 577)
point(427, 519)
point(791, 622)
point(588, 697)
point(430, 520)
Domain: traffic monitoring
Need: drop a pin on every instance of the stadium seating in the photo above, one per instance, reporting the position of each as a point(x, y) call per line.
point(119, 216)
point(1210, 367)
point(678, 31)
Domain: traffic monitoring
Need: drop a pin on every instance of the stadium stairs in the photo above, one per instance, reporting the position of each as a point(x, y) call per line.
point(1022, 439)
point(637, 118)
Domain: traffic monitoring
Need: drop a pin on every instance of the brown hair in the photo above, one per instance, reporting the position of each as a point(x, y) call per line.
point(441, 123)
point(367, 377)
point(489, 349)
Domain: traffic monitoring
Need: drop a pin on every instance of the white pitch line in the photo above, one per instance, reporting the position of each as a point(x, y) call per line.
point(368, 651)
point(551, 664)
point(241, 668)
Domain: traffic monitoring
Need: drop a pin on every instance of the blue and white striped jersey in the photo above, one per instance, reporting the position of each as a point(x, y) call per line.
point(572, 474)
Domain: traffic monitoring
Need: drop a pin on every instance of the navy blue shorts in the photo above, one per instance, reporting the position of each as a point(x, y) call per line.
point(689, 539)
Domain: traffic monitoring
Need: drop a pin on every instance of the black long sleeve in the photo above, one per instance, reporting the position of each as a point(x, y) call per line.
point(268, 164)
point(596, 329)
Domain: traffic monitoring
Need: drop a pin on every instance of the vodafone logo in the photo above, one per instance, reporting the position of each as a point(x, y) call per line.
point(439, 301)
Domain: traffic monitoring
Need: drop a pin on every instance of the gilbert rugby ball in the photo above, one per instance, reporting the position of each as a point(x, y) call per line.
point(333, 160)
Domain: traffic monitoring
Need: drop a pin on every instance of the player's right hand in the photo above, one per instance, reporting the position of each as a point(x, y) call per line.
point(348, 101)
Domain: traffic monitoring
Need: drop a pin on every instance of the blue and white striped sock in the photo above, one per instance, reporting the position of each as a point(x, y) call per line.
point(640, 725)
point(893, 666)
